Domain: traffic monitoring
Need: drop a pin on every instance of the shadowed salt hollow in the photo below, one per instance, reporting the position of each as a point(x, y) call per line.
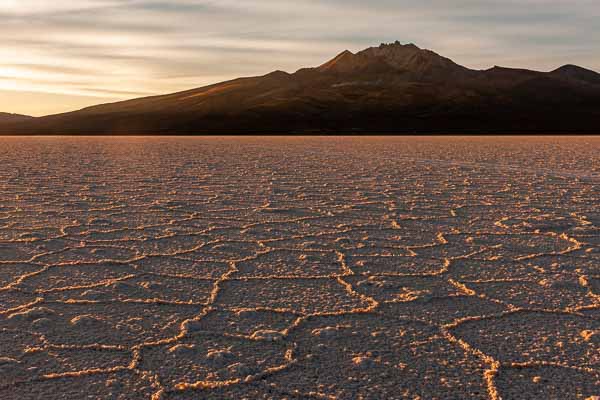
point(300, 268)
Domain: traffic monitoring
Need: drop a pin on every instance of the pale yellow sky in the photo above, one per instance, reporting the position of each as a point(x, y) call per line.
point(39, 103)
point(63, 55)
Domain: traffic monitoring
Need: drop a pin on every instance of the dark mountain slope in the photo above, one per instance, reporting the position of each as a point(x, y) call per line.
point(8, 118)
point(575, 73)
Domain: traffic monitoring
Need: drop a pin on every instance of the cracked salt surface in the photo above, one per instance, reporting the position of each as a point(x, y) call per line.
point(299, 268)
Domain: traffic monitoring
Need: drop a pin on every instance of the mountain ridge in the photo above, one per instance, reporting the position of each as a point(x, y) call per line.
point(9, 117)
point(392, 88)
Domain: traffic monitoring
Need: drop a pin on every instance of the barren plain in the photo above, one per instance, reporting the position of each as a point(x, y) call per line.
point(300, 268)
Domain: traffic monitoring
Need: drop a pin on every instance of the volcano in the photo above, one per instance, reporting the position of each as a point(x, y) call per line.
point(392, 88)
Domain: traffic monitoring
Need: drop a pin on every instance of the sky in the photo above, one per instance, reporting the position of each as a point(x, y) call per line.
point(62, 55)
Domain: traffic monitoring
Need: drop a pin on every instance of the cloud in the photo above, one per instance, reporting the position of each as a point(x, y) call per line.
point(33, 7)
point(117, 49)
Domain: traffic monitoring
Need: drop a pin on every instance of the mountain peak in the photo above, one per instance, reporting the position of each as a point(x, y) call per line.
point(397, 44)
point(340, 63)
point(348, 62)
point(411, 58)
point(572, 67)
point(576, 73)
point(392, 52)
point(394, 57)
point(277, 74)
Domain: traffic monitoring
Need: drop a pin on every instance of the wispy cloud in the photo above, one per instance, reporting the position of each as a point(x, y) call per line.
point(117, 49)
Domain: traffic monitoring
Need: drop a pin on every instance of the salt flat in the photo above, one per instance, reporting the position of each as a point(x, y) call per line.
point(300, 268)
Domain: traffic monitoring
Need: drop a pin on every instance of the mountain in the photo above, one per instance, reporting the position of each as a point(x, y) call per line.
point(8, 118)
point(392, 88)
point(575, 73)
